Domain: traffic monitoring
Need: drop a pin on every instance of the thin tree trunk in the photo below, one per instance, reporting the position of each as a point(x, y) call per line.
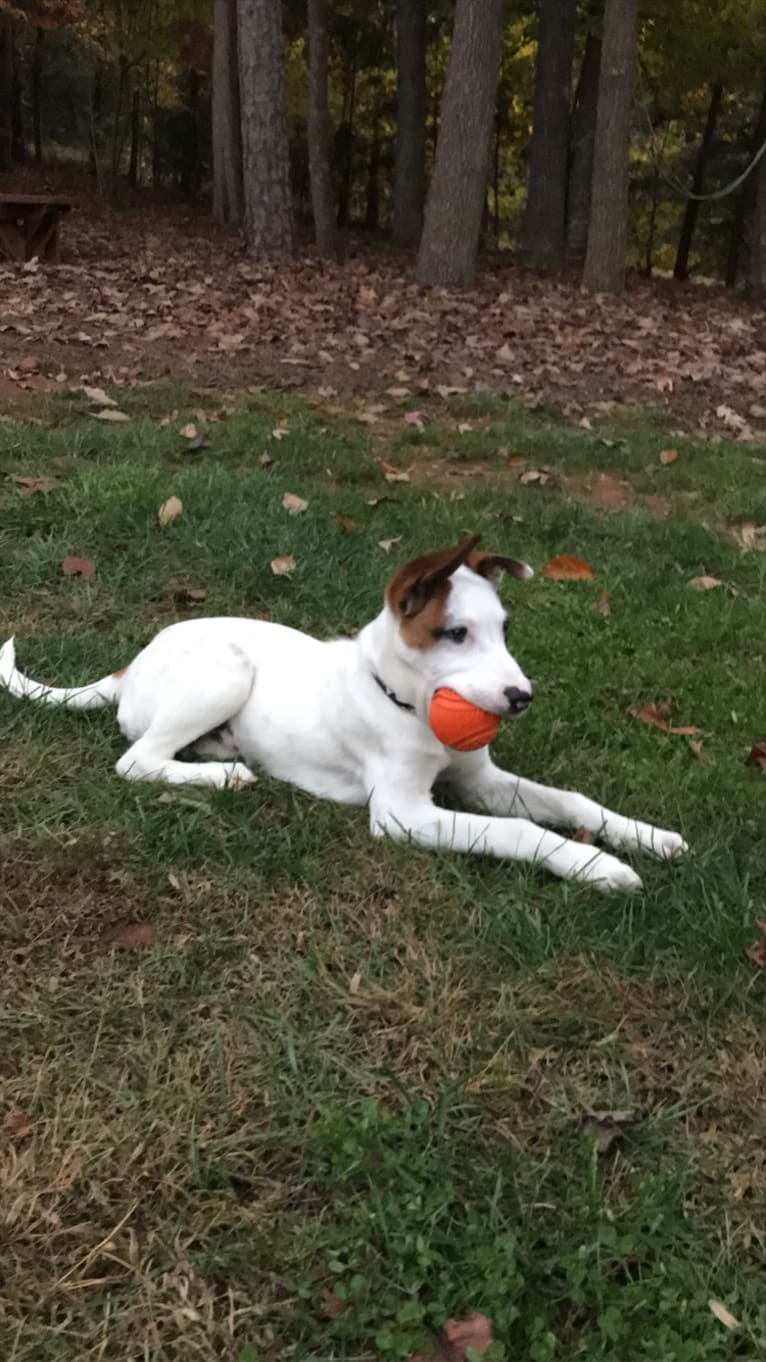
point(458, 188)
point(544, 234)
point(156, 146)
point(758, 241)
point(117, 143)
point(346, 147)
point(410, 176)
point(319, 137)
point(691, 212)
point(19, 141)
point(266, 157)
point(37, 76)
point(135, 138)
point(227, 116)
point(583, 136)
point(757, 263)
point(6, 91)
point(372, 206)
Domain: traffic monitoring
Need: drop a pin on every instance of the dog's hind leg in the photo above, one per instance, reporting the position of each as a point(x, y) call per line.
point(203, 698)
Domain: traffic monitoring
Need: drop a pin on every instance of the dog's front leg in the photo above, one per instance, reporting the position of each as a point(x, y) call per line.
point(419, 821)
point(482, 783)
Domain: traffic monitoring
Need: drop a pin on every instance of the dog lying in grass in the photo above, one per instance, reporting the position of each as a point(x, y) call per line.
point(348, 720)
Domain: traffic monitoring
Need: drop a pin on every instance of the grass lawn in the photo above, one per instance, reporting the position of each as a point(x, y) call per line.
point(339, 1098)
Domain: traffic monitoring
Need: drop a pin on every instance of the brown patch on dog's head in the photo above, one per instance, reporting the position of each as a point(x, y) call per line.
point(417, 593)
point(493, 565)
point(120, 672)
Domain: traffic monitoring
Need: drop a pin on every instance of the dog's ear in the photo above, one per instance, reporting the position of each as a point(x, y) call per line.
point(493, 565)
point(424, 578)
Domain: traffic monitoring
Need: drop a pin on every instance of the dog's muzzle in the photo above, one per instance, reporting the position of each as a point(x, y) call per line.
point(518, 700)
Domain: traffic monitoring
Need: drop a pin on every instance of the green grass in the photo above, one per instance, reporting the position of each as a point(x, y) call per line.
point(339, 1098)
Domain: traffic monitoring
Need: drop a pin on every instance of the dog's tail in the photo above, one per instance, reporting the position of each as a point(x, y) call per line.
point(98, 694)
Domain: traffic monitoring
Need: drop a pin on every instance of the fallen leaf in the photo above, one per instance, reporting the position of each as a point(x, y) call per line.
point(199, 441)
point(695, 747)
point(459, 1337)
point(345, 524)
point(279, 433)
point(723, 1315)
point(282, 567)
point(266, 461)
point(387, 544)
point(750, 536)
point(17, 1124)
point(332, 1306)
point(539, 475)
point(98, 397)
point(131, 936)
point(565, 569)
point(704, 583)
point(111, 414)
point(170, 510)
point(293, 505)
point(414, 418)
point(392, 474)
point(668, 455)
point(189, 594)
point(30, 486)
point(78, 567)
point(603, 605)
point(355, 982)
point(656, 715)
point(757, 952)
point(189, 431)
point(757, 756)
point(28, 365)
point(606, 1126)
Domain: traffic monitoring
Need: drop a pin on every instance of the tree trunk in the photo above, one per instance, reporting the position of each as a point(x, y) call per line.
point(583, 136)
point(265, 150)
point(410, 176)
point(227, 118)
point(758, 241)
point(135, 138)
point(319, 138)
point(344, 145)
point(372, 206)
point(691, 212)
point(6, 91)
point(18, 136)
point(757, 270)
point(544, 234)
point(744, 204)
point(37, 76)
point(458, 188)
point(608, 229)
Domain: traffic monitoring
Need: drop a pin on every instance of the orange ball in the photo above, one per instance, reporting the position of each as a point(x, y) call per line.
point(459, 724)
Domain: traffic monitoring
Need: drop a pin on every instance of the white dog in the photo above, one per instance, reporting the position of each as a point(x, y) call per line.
point(348, 719)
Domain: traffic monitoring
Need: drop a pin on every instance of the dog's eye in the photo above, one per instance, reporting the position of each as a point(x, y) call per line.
point(456, 635)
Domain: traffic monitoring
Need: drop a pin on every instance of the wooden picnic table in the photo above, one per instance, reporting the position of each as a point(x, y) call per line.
point(29, 225)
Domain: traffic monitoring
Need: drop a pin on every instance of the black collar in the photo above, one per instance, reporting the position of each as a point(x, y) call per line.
point(392, 695)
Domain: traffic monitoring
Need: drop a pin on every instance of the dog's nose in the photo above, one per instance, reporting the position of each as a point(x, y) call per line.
point(518, 700)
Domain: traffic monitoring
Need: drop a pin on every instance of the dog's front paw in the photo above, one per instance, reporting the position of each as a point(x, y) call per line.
point(604, 872)
point(656, 842)
point(628, 834)
point(238, 776)
point(666, 845)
